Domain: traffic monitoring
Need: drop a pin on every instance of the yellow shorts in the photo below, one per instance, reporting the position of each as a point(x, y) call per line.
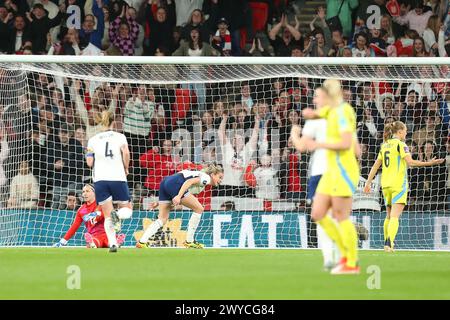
point(395, 195)
point(337, 184)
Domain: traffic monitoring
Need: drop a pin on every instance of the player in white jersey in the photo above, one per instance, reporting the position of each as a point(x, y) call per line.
point(180, 188)
point(109, 156)
point(317, 130)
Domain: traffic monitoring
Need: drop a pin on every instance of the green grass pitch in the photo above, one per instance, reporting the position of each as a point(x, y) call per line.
point(41, 273)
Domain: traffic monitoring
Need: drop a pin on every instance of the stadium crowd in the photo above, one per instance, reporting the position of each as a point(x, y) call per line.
point(244, 126)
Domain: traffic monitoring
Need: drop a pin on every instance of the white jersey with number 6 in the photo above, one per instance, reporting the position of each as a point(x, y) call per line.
point(108, 164)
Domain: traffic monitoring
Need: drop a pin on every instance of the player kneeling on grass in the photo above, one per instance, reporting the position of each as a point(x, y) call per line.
point(180, 189)
point(90, 213)
point(394, 157)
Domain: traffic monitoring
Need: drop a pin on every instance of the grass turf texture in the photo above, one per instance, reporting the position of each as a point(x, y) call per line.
point(41, 273)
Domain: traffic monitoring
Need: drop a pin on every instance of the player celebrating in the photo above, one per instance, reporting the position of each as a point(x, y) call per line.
point(338, 183)
point(108, 155)
point(180, 189)
point(394, 157)
point(90, 213)
point(317, 130)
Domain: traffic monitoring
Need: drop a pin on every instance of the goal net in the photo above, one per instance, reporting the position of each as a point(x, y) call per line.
point(185, 113)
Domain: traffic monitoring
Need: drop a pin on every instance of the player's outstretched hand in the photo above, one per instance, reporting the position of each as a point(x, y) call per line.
point(61, 243)
point(367, 188)
point(435, 161)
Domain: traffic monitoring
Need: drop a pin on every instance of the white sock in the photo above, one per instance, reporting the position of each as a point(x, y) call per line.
point(192, 226)
point(124, 213)
point(326, 245)
point(110, 233)
point(150, 231)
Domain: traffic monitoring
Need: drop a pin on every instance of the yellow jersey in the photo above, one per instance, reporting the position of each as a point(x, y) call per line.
point(342, 166)
point(394, 172)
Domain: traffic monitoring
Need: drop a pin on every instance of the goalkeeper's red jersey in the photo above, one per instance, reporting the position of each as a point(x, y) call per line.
point(93, 218)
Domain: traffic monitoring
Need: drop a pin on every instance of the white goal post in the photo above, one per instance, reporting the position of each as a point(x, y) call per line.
point(171, 110)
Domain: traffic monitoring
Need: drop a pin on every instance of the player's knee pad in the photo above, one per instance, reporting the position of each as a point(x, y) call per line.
point(124, 213)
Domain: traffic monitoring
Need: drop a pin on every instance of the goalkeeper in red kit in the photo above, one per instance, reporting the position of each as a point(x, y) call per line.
point(90, 213)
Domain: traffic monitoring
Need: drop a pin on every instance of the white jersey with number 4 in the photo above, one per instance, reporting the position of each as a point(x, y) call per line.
point(106, 147)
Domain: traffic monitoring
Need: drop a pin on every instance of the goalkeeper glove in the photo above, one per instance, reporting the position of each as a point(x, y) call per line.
point(61, 243)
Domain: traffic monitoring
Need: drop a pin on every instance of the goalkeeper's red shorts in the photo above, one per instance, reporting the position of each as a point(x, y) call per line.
point(101, 240)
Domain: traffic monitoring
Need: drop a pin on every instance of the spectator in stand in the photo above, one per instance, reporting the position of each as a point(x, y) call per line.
point(196, 20)
point(428, 132)
point(367, 129)
point(159, 23)
point(361, 46)
point(123, 33)
point(17, 6)
point(4, 153)
point(319, 22)
point(291, 37)
point(293, 173)
point(431, 35)
point(415, 19)
point(345, 13)
point(386, 25)
point(71, 202)
point(66, 161)
point(257, 49)
point(317, 46)
point(105, 43)
point(15, 39)
point(432, 179)
point(137, 117)
point(267, 184)
point(238, 15)
point(278, 129)
point(90, 118)
point(222, 38)
point(236, 155)
point(69, 45)
point(139, 43)
point(185, 8)
point(24, 189)
point(247, 97)
point(80, 136)
point(444, 106)
point(159, 165)
point(196, 46)
point(337, 43)
point(419, 48)
point(403, 47)
point(40, 25)
point(89, 35)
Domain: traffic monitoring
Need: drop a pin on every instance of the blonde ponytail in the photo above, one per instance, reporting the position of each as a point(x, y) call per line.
point(105, 118)
point(392, 128)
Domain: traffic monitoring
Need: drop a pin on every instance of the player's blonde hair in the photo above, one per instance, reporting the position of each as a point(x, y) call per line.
point(391, 129)
point(105, 118)
point(213, 169)
point(333, 89)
